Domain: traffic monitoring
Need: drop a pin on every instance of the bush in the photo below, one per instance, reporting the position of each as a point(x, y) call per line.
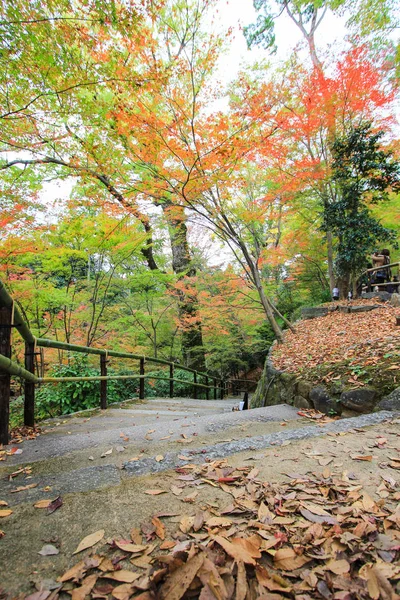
point(67, 397)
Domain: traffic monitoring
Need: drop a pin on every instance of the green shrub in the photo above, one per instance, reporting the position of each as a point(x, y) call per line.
point(67, 397)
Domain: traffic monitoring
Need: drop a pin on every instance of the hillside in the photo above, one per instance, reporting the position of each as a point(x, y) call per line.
point(340, 351)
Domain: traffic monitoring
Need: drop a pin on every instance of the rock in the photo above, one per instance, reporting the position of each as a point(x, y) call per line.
point(395, 300)
point(382, 295)
point(303, 389)
point(336, 387)
point(313, 311)
point(300, 402)
point(361, 401)
point(363, 308)
point(321, 401)
point(391, 402)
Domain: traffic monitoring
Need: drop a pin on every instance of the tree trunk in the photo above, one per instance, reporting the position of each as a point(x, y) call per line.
point(329, 242)
point(266, 305)
point(192, 338)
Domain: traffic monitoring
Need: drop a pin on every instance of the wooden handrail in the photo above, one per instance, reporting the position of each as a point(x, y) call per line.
point(11, 317)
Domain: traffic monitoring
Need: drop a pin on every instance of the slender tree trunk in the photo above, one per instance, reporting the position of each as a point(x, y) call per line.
point(331, 274)
point(266, 304)
point(192, 338)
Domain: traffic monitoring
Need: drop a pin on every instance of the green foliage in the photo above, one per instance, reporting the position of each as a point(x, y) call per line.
point(364, 173)
point(67, 397)
point(71, 396)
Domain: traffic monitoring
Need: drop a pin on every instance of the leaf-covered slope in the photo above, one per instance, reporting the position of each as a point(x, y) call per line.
point(359, 349)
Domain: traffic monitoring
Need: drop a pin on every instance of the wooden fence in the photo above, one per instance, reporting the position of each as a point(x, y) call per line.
point(11, 318)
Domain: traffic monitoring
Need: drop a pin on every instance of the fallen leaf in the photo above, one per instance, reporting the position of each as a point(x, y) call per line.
point(237, 551)
point(241, 582)
point(155, 492)
point(287, 560)
point(84, 590)
point(127, 546)
point(179, 581)
point(55, 504)
point(160, 527)
point(361, 457)
point(159, 458)
point(42, 504)
point(90, 540)
point(49, 550)
point(123, 576)
point(24, 487)
point(5, 512)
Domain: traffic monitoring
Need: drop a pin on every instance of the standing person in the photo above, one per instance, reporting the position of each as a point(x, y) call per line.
point(378, 260)
point(349, 296)
point(335, 293)
point(387, 271)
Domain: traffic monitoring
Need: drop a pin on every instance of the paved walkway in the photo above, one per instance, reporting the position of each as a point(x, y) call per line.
point(102, 465)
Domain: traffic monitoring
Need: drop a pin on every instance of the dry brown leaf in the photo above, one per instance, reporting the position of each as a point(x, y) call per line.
point(176, 490)
point(6, 512)
point(43, 504)
point(76, 572)
point(24, 487)
point(237, 551)
point(241, 582)
point(186, 523)
point(90, 540)
point(167, 545)
point(84, 590)
point(3, 503)
point(127, 546)
point(287, 560)
point(160, 528)
point(361, 457)
point(123, 592)
point(179, 581)
point(123, 575)
point(218, 522)
point(155, 492)
point(339, 567)
point(159, 457)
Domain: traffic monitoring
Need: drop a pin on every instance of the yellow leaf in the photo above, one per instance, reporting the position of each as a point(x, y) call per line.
point(90, 540)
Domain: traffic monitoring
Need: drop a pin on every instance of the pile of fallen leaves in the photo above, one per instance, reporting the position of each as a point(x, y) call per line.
point(317, 536)
point(361, 339)
point(17, 436)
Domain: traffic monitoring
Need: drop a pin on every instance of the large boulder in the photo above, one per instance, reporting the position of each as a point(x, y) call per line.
point(360, 400)
point(322, 401)
point(391, 402)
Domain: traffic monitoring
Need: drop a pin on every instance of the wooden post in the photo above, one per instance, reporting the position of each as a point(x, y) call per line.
point(29, 386)
point(215, 389)
point(222, 390)
point(207, 390)
point(103, 382)
point(6, 315)
point(141, 380)
point(171, 381)
point(195, 385)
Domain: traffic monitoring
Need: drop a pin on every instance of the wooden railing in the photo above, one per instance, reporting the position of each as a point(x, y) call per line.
point(11, 318)
point(369, 272)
